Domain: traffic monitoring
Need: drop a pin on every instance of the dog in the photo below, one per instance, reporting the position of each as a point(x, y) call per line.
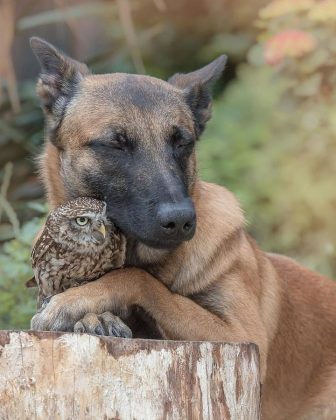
point(130, 140)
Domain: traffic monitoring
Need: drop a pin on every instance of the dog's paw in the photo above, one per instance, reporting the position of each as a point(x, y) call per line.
point(104, 324)
point(60, 314)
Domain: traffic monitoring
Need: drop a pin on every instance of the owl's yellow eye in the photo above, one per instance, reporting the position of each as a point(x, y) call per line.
point(82, 221)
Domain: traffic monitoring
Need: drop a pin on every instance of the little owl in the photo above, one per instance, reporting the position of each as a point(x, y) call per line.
point(78, 244)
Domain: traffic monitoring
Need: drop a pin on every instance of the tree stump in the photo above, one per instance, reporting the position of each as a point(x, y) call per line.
point(46, 375)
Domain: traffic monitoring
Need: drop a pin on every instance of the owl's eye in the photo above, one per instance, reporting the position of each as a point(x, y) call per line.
point(82, 221)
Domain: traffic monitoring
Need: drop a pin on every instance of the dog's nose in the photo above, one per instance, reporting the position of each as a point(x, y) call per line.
point(177, 220)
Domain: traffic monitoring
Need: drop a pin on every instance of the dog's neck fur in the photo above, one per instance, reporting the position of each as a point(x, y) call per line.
point(216, 226)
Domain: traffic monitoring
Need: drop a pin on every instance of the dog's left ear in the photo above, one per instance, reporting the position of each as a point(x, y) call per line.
point(196, 88)
point(59, 79)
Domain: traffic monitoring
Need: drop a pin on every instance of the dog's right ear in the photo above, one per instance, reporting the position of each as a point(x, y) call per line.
point(58, 80)
point(196, 87)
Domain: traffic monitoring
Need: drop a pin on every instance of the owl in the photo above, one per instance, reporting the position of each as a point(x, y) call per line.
point(78, 244)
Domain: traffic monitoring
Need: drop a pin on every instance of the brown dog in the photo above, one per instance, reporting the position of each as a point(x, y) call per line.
point(130, 140)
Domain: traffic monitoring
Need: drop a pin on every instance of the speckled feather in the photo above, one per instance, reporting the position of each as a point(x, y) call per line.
point(60, 261)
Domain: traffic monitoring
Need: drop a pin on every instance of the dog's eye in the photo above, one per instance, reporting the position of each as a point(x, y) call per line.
point(115, 144)
point(182, 140)
point(82, 221)
point(184, 144)
point(118, 142)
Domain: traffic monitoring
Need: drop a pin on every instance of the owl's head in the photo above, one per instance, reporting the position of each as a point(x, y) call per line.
point(80, 223)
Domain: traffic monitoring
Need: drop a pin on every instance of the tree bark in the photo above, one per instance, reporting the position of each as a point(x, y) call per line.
point(45, 375)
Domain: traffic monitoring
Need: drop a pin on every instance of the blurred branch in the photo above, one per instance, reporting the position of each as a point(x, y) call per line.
point(7, 25)
point(8, 171)
point(161, 5)
point(66, 13)
point(150, 33)
point(129, 31)
point(4, 203)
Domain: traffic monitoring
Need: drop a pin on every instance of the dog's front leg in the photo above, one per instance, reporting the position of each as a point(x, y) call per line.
point(115, 292)
point(178, 317)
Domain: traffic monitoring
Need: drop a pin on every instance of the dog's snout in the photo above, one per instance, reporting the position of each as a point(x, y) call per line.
point(177, 221)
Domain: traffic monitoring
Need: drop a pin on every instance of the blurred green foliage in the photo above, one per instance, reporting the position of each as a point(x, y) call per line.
point(272, 140)
point(272, 136)
point(17, 303)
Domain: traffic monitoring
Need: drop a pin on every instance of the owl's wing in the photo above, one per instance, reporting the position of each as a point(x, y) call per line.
point(41, 247)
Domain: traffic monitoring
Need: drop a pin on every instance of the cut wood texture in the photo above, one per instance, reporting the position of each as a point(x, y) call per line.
point(46, 375)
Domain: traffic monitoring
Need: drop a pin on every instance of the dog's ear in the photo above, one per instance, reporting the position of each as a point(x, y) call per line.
point(58, 79)
point(197, 86)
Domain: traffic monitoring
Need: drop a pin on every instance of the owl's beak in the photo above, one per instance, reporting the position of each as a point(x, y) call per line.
point(102, 230)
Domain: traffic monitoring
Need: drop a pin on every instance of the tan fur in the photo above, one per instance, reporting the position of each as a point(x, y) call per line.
point(248, 295)
point(50, 170)
point(218, 286)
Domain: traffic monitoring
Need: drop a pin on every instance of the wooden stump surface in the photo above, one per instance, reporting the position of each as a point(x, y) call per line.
point(46, 375)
